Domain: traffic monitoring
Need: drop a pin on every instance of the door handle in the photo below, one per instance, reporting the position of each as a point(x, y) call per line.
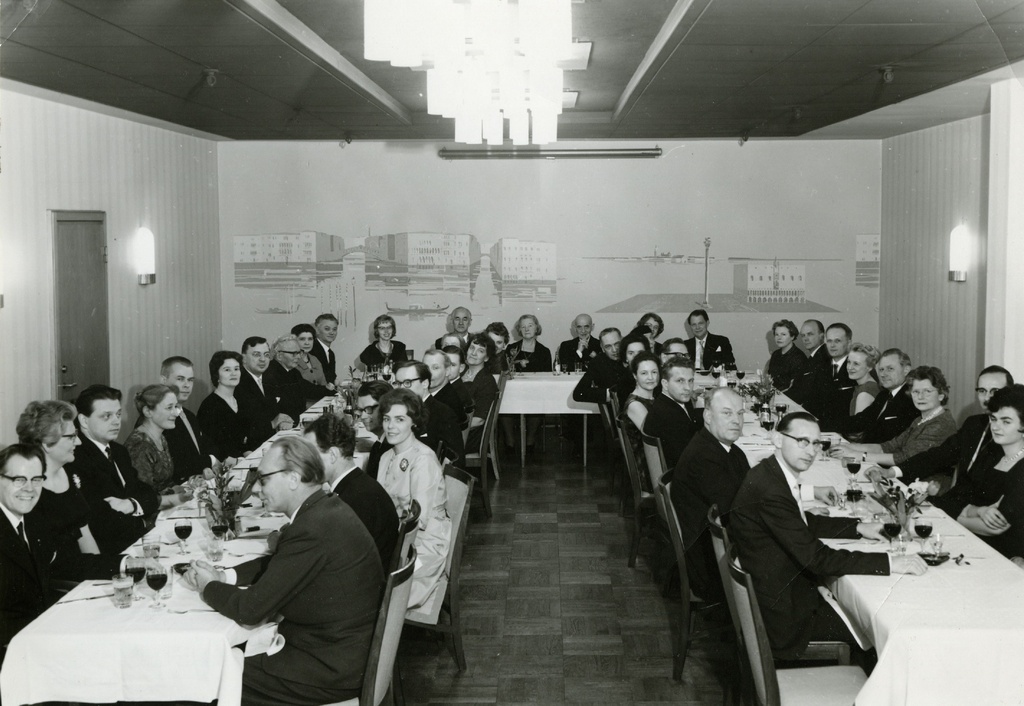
point(66, 385)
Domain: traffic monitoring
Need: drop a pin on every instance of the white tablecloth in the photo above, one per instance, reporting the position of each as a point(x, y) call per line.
point(543, 393)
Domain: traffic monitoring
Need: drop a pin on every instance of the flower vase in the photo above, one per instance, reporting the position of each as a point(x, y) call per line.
point(218, 517)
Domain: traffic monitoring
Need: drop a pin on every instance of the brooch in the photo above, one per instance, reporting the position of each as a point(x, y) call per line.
point(77, 480)
point(404, 465)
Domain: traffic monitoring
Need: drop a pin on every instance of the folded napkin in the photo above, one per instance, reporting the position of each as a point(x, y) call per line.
point(266, 640)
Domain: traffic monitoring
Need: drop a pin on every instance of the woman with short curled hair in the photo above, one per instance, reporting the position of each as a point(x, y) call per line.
point(528, 355)
point(310, 367)
point(384, 351)
point(787, 361)
point(646, 376)
point(860, 361)
point(409, 471)
point(158, 410)
point(50, 425)
point(219, 415)
point(652, 326)
point(480, 352)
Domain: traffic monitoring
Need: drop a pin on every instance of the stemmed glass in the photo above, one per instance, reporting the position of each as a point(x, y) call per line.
point(183, 529)
point(156, 579)
point(891, 529)
point(740, 374)
point(385, 373)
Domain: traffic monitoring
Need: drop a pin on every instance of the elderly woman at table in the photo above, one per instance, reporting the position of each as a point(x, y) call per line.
point(990, 501)
point(481, 384)
point(635, 407)
point(929, 391)
point(219, 415)
point(409, 471)
point(309, 365)
point(158, 410)
point(50, 425)
point(385, 351)
point(860, 361)
point(787, 361)
point(528, 355)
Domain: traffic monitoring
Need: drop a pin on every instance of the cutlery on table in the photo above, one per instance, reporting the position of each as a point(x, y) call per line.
point(89, 598)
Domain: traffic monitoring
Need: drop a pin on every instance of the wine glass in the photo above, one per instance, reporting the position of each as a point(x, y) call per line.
point(923, 528)
point(183, 529)
point(386, 373)
point(740, 374)
point(137, 570)
point(716, 372)
point(767, 423)
point(156, 579)
point(891, 529)
point(780, 408)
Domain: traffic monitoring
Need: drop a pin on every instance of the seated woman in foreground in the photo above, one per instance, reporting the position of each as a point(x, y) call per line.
point(860, 361)
point(990, 501)
point(158, 409)
point(928, 388)
point(409, 471)
point(635, 407)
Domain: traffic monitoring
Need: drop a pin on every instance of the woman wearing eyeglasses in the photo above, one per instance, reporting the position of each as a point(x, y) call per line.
point(51, 426)
point(385, 350)
point(409, 471)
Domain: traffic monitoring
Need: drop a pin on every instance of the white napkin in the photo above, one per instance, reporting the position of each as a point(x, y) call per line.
point(266, 640)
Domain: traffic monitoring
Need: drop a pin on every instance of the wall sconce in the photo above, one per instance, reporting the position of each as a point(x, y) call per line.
point(145, 255)
point(959, 253)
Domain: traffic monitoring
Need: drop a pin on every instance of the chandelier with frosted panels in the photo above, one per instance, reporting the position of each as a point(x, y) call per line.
point(487, 61)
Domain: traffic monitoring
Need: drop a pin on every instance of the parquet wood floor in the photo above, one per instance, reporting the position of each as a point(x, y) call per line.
point(551, 612)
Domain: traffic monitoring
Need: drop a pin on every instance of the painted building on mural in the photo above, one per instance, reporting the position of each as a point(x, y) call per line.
point(286, 260)
point(421, 262)
point(525, 269)
point(770, 283)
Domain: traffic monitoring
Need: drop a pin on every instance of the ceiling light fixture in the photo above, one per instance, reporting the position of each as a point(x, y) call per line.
point(487, 61)
point(609, 153)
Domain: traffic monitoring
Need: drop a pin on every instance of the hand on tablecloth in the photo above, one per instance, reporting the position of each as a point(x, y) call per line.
point(200, 574)
point(871, 530)
point(875, 473)
point(283, 422)
point(908, 565)
point(993, 519)
point(826, 494)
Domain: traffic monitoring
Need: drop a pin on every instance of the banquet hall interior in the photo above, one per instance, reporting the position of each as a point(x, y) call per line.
point(179, 175)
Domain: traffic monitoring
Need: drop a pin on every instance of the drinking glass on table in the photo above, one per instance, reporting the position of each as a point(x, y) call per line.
point(123, 584)
point(183, 529)
point(781, 408)
point(157, 579)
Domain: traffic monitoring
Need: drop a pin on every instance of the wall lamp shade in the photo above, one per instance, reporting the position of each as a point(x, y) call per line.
point(145, 255)
point(959, 253)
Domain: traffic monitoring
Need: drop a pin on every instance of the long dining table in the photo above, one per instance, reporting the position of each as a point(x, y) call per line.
point(954, 635)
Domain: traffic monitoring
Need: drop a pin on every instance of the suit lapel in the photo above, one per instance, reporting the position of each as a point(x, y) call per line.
point(12, 546)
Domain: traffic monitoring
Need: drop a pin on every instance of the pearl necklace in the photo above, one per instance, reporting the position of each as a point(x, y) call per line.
point(1011, 459)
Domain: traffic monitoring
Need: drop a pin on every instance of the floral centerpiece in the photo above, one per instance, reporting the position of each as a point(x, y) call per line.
point(218, 496)
point(901, 502)
point(760, 391)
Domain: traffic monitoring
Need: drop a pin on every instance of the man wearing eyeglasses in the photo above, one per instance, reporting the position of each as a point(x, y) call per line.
point(778, 544)
point(325, 579)
point(29, 556)
point(284, 380)
point(368, 414)
point(442, 422)
point(951, 462)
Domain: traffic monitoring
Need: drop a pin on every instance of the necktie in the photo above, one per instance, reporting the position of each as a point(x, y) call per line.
point(184, 420)
point(799, 502)
point(21, 533)
point(110, 457)
point(700, 355)
point(259, 384)
point(835, 370)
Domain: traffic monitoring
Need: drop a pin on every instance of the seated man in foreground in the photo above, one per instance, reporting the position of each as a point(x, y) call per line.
point(779, 545)
point(326, 589)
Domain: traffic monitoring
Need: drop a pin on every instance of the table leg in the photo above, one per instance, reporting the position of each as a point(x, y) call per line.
point(585, 440)
point(522, 440)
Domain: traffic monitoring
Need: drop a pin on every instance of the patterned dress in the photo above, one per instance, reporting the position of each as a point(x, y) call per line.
point(154, 464)
point(411, 475)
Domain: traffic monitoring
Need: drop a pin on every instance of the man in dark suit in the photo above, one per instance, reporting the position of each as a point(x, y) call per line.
point(605, 373)
point(838, 388)
point(189, 448)
point(258, 404)
point(326, 326)
point(707, 350)
point(284, 381)
point(891, 412)
point(442, 422)
point(325, 579)
point(672, 417)
point(709, 472)
point(368, 414)
point(459, 322)
point(440, 388)
point(119, 502)
point(336, 441)
point(951, 461)
point(29, 556)
point(578, 352)
point(778, 544)
point(808, 386)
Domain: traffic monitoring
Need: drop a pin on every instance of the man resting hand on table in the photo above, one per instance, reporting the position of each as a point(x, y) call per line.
point(323, 584)
point(778, 544)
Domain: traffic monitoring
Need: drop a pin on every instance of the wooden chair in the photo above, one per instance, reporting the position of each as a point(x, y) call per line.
point(643, 502)
point(459, 487)
point(820, 686)
point(816, 651)
point(487, 451)
point(387, 634)
point(690, 602)
point(408, 528)
point(656, 468)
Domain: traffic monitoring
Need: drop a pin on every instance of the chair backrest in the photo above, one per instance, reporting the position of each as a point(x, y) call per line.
point(723, 549)
point(609, 420)
point(655, 455)
point(755, 637)
point(408, 528)
point(490, 423)
point(459, 488)
point(675, 533)
point(380, 665)
point(631, 468)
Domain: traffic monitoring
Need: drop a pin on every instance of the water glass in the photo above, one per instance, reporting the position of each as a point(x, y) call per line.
point(151, 550)
point(214, 549)
point(123, 589)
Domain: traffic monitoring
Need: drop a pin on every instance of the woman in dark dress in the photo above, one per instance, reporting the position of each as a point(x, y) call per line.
point(50, 425)
point(500, 335)
point(787, 361)
point(635, 407)
point(653, 326)
point(481, 384)
point(384, 351)
point(990, 502)
point(527, 355)
point(218, 416)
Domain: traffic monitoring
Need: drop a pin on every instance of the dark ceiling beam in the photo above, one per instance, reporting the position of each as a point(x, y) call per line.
point(269, 15)
point(680, 20)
